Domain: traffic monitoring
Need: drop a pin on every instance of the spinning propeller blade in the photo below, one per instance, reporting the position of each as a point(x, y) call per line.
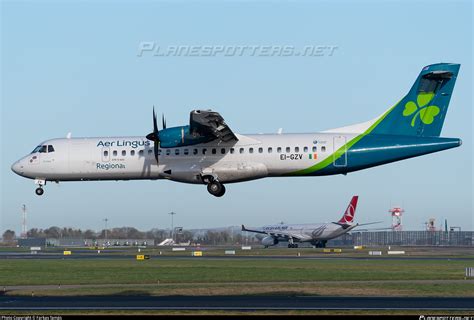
point(163, 120)
point(155, 136)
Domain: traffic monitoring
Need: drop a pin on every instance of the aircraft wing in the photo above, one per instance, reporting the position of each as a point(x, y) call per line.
point(287, 235)
point(277, 233)
point(210, 123)
point(366, 224)
point(255, 231)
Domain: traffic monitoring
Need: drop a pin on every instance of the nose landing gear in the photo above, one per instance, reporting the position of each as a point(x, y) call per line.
point(40, 182)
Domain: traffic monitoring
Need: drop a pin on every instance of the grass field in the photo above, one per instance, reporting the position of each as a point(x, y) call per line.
point(369, 277)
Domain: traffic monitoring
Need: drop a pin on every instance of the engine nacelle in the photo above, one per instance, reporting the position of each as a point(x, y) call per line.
point(180, 137)
point(269, 241)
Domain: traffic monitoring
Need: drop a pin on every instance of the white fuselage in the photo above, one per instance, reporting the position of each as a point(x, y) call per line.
point(307, 232)
point(127, 158)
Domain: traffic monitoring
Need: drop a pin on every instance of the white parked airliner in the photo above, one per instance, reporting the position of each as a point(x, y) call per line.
point(208, 152)
point(315, 233)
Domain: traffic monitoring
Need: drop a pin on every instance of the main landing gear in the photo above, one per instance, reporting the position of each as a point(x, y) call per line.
point(292, 244)
point(319, 243)
point(214, 187)
point(39, 191)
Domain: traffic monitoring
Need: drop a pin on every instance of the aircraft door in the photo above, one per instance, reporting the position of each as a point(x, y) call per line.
point(340, 160)
point(105, 154)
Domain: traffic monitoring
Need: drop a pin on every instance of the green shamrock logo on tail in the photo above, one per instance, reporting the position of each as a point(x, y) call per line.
point(421, 108)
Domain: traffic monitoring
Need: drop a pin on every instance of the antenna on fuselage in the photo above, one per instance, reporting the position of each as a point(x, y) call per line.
point(280, 130)
point(68, 136)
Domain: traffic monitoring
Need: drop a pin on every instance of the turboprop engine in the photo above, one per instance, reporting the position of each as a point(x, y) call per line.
point(179, 137)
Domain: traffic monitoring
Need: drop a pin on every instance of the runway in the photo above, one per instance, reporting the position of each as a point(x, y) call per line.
point(233, 303)
point(56, 256)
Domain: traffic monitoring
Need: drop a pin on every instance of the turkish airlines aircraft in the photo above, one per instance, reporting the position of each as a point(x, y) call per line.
point(315, 233)
point(208, 152)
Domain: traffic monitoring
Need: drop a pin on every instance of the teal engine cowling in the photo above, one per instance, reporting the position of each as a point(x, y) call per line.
point(180, 137)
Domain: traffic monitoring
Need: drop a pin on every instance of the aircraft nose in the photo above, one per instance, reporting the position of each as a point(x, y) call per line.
point(17, 167)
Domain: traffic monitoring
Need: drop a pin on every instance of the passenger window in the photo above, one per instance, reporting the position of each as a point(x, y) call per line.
point(288, 149)
point(140, 153)
point(50, 149)
point(204, 151)
point(186, 151)
point(176, 152)
point(214, 150)
point(159, 152)
point(114, 153)
point(106, 153)
point(279, 149)
point(150, 151)
point(168, 152)
point(250, 150)
point(232, 150)
point(260, 150)
point(297, 149)
point(315, 148)
point(195, 151)
point(223, 150)
point(270, 150)
point(305, 149)
point(323, 149)
point(124, 153)
point(241, 150)
point(132, 153)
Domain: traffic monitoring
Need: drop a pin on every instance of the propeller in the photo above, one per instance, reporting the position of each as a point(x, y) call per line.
point(155, 136)
point(163, 120)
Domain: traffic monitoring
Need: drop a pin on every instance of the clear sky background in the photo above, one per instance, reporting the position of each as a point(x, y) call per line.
point(74, 68)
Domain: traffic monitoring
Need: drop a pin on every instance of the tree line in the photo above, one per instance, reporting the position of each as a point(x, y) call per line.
point(211, 237)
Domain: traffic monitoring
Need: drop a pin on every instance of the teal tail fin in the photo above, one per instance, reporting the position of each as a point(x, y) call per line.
point(422, 111)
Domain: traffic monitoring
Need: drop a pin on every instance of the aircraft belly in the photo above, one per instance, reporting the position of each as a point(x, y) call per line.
point(224, 171)
point(187, 172)
point(238, 171)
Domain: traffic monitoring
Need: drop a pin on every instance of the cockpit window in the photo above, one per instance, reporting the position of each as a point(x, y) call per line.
point(37, 149)
point(43, 149)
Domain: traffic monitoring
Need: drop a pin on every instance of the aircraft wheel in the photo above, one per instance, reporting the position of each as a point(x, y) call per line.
point(295, 245)
point(39, 191)
point(216, 188)
point(222, 191)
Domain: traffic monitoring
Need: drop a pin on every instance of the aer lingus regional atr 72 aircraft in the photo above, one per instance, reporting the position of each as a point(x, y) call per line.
point(207, 151)
point(317, 234)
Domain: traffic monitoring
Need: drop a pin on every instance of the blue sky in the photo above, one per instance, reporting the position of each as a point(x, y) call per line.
point(74, 68)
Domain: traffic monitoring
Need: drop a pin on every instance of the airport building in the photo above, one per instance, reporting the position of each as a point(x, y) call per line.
point(406, 238)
